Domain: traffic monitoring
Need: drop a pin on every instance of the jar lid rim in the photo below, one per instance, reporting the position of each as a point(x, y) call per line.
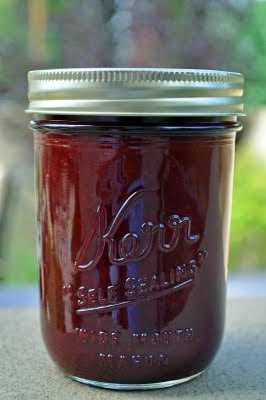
point(135, 91)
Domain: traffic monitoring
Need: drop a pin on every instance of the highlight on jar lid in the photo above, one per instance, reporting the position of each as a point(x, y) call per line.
point(135, 91)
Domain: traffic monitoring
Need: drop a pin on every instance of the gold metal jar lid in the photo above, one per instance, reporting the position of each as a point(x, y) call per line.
point(135, 91)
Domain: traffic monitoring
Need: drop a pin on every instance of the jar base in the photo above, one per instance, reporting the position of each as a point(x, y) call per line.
point(134, 386)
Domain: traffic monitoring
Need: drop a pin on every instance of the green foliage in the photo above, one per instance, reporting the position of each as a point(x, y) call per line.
point(254, 46)
point(59, 5)
point(248, 228)
point(227, 35)
point(8, 19)
point(22, 265)
point(19, 247)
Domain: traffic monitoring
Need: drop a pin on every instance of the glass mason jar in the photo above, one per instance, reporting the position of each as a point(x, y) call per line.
point(134, 173)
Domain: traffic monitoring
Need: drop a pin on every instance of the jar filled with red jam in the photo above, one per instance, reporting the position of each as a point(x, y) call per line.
point(134, 173)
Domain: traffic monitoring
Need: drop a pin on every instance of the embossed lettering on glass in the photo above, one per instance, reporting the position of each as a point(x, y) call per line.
point(134, 173)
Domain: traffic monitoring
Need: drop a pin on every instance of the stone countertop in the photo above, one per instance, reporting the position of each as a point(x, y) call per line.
point(238, 372)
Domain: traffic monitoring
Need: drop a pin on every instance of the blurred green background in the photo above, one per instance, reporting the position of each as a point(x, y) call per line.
point(226, 35)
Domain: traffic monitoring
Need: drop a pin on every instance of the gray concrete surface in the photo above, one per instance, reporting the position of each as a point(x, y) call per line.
point(238, 372)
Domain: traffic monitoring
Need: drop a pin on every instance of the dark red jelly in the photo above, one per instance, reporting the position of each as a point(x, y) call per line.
point(133, 226)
